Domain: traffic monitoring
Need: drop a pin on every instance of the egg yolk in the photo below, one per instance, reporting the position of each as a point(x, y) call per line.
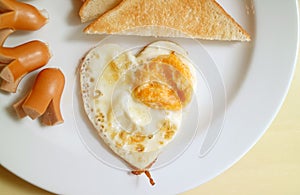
point(164, 83)
point(176, 63)
point(158, 96)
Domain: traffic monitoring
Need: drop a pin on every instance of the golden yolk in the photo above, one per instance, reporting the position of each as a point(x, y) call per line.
point(164, 83)
point(176, 63)
point(158, 96)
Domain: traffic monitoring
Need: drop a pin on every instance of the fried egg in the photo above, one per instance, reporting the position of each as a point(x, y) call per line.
point(167, 82)
point(135, 102)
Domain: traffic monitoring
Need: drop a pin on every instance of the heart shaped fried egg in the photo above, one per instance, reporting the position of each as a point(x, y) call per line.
point(135, 101)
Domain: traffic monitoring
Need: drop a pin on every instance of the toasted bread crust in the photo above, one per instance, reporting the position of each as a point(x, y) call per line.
point(204, 19)
point(91, 9)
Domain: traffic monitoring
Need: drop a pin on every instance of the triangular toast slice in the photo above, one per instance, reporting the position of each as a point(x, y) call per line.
point(91, 9)
point(204, 19)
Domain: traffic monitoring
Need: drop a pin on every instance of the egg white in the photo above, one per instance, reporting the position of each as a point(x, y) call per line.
point(132, 130)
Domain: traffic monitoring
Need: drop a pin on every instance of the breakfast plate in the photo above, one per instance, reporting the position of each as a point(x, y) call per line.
point(255, 78)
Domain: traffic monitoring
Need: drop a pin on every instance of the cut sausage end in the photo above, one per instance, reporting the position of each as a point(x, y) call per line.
point(10, 87)
point(52, 116)
point(31, 112)
point(18, 108)
point(7, 75)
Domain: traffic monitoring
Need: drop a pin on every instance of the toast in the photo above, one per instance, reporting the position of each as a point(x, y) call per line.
point(91, 9)
point(203, 19)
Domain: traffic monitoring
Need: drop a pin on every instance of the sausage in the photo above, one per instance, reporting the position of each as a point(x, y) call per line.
point(44, 98)
point(20, 16)
point(20, 60)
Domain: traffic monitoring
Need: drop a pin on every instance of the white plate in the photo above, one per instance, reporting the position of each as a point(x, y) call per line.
point(256, 77)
